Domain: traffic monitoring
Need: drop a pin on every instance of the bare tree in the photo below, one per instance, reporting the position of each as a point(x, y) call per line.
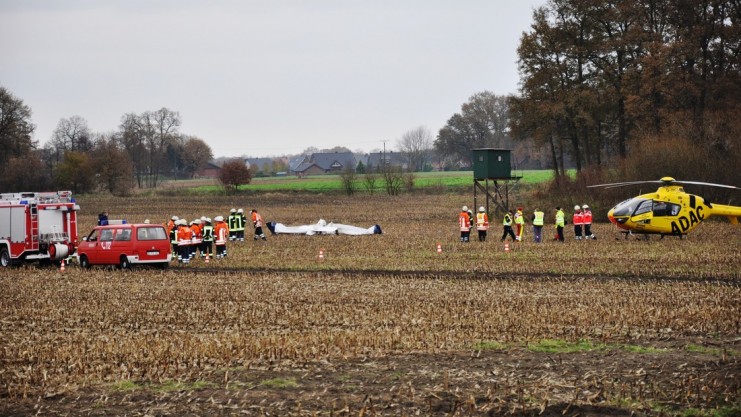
point(70, 134)
point(393, 179)
point(416, 144)
point(369, 179)
point(348, 180)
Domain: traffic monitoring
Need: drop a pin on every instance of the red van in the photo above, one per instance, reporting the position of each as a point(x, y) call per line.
point(125, 245)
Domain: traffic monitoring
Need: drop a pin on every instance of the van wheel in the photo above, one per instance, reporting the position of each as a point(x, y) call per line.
point(124, 264)
point(84, 262)
point(4, 258)
point(163, 265)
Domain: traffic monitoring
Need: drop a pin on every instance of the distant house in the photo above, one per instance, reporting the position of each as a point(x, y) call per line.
point(259, 165)
point(211, 170)
point(324, 163)
point(377, 160)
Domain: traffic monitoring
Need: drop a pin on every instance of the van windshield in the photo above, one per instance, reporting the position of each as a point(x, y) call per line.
point(151, 233)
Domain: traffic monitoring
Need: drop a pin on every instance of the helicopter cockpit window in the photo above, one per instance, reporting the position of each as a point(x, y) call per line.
point(627, 207)
point(644, 207)
point(662, 208)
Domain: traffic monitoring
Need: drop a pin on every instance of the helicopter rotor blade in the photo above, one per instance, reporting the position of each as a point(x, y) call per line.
point(623, 184)
point(708, 184)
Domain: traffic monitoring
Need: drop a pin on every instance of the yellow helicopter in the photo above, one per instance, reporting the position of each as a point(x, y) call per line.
point(668, 211)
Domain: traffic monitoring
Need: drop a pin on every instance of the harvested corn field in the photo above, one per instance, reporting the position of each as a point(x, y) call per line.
point(383, 325)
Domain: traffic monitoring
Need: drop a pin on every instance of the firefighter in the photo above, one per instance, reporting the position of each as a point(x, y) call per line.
point(231, 222)
point(464, 221)
point(578, 219)
point(185, 235)
point(207, 231)
point(588, 222)
point(221, 235)
point(257, 222)
point(507, 225)
point(538, 221)
point(560, 223)
point(195, 227)
point(519, 224)
point(482, 223)
point(172, 227)
point(241, 221)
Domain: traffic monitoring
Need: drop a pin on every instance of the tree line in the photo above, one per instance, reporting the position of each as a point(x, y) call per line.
point(647, 88)
point(147, 148)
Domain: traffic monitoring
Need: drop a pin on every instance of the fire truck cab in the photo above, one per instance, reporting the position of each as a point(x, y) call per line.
point(37, 226)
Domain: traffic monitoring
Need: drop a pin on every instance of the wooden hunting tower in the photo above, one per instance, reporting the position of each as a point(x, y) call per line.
point(495, 165)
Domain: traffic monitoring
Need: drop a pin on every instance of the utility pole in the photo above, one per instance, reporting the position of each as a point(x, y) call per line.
point(383, 160)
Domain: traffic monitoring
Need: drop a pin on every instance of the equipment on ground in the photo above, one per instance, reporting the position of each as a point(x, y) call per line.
point(37, 226)
point(668, 211)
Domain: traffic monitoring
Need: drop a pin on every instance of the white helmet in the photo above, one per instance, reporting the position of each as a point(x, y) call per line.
point(240, 211)
point(577, 208)
point(585, 207)
point(203, 218)
point(175, 218)
point(465, 208)
point(207, 220)
point(146, 221)
point(233, 211)
point(482, 209)
point(219, 218)
point(197, 221)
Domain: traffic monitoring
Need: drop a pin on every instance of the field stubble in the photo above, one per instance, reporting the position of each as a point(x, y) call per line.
point(384, 318)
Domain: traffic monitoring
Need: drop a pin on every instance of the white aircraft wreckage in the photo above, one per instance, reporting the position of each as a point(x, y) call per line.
point(323, 228)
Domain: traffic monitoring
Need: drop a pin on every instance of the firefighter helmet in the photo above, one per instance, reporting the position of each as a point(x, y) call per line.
point(577, 208)
point(465, 208)
point(482, 209)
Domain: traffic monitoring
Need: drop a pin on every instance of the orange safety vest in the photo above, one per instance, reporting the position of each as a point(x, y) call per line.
point(221, 230)
point(464, 220)
point(578, 218)
point(587, 217)
point(482, 221)
point(184, 236)
point(256, 219)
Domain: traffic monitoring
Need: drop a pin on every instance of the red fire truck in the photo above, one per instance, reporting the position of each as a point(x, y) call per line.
point(37, 227)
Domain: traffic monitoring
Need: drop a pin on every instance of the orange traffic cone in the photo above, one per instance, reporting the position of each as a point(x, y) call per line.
point(439, 248)
point(61, 266)
point(321, 254)
point(207, 258)
point(506, 247)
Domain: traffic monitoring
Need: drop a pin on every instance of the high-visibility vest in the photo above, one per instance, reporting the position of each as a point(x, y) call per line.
point(507, 220)
point(208, 233)
point(222, 233)
point(587, 217)
point(184, 236)
point(232, 221)
point(578, 218)
point(519, 218)
point(560, 220)
point(238, 223)
point(538, 217)
point(256, 219)
point(464, 221)
point(482, 221)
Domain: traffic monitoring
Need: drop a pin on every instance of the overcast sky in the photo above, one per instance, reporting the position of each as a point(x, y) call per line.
point(261, 78)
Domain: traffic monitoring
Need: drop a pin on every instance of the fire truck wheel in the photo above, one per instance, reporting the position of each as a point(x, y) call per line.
point(4, 258)
point(84, 262)
point(124, 264)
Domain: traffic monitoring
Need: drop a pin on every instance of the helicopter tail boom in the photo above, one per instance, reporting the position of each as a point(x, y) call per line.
point(731, 212)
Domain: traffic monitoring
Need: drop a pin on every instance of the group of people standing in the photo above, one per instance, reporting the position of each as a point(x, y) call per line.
point(513, 224)
point(198, 237)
